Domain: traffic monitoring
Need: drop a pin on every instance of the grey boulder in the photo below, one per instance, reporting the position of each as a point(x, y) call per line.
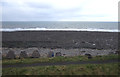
point(35, 54)
point(10, 55)
point(23, 54)
point(58, 54)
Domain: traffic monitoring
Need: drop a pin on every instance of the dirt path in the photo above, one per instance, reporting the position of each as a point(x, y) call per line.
point(61, 63)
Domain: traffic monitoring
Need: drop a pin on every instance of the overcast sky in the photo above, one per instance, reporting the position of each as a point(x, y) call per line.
point(59, 10)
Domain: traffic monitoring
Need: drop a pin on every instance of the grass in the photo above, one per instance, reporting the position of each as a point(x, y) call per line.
point(56, 59)
point(87, 69)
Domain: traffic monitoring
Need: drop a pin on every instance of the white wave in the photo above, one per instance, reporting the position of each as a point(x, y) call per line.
point(69, 29)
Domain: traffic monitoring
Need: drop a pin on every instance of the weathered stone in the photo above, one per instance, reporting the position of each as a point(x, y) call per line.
point(10, 55)
point(23, 54)
point(58, 54)
point(50, 54)
point(35, 54)
point(64, 54)
point(110, 53)
point(83, 51)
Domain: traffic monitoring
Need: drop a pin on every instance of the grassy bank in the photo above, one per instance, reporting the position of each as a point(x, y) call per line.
point(87, 69)
point(57, 59)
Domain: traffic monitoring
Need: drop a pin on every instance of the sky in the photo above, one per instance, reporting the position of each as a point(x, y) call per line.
point(59, 10)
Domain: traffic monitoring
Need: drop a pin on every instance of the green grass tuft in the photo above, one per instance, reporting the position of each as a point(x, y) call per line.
point(86, 69)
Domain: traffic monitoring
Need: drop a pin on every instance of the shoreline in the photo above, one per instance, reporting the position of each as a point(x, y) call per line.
point(44, 29)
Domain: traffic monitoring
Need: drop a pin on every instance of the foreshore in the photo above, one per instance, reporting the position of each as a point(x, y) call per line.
point(69, 43)
point(60, 39)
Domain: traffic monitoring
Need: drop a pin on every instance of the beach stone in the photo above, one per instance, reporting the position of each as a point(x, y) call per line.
point(50, 54)
point(23, 54)
point(58, 54)
point(110, 53)
point(35, 54)
point(83, 51)
point(64, 54)
point(10, 55)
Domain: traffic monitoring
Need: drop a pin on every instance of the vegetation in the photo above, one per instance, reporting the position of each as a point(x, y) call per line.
point(56, 59)
point(87, 69)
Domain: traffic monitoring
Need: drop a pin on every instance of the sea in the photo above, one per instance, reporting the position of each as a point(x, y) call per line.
point(59, 26)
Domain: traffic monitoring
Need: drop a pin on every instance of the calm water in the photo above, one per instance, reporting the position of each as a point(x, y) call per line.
point(52, 25)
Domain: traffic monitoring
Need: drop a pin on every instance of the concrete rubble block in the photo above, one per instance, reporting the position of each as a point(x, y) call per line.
point(10, 55)
point(58, 54)
point(50, 54)
point(23, 54)
point(35, 54)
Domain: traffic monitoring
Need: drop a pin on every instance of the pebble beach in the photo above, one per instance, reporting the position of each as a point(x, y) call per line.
point(69, 43)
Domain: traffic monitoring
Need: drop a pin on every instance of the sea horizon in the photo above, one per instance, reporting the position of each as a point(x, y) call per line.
point(59, 26)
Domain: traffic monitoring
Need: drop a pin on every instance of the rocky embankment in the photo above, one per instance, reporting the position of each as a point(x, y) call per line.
point(56, 52)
